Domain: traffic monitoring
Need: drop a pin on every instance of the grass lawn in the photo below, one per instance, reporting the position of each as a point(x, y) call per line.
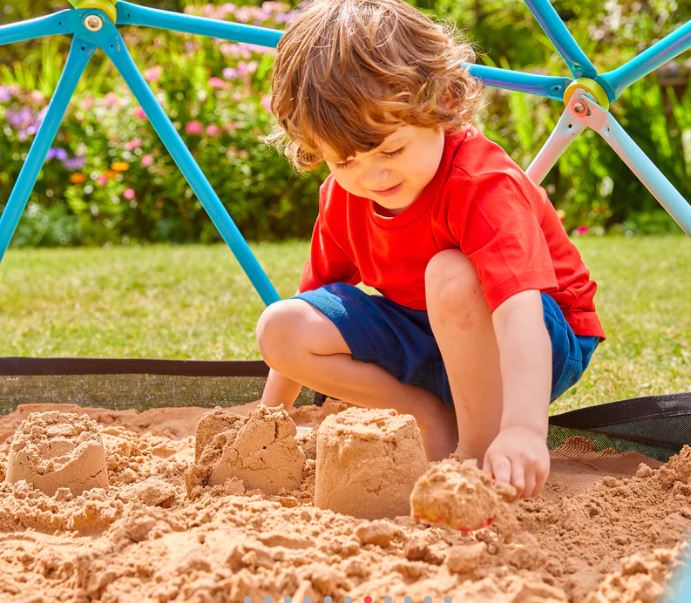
point(195, 302)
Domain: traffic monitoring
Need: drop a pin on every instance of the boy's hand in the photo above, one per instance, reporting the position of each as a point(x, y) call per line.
point(519, 456)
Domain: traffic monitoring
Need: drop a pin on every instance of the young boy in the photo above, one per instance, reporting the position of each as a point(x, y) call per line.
point(486, 312)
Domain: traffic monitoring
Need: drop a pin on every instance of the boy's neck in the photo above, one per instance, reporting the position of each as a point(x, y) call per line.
point(385, 212)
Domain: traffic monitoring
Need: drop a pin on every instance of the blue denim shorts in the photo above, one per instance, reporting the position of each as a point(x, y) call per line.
point(400, 340)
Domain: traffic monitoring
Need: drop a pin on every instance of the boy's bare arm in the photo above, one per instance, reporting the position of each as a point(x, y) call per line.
point(519, 454)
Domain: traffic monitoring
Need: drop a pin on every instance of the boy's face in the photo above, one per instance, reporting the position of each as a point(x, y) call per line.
point(394, 174)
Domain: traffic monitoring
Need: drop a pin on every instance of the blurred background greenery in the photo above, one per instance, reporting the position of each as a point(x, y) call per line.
point(108, 179)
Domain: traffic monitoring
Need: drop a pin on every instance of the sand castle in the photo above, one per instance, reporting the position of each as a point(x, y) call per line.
point(368, 462)
point(52, 450)
point(259, 450)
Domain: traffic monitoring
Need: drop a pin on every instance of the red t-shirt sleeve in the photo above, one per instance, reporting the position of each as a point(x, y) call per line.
point(328, 262)
point(498, 224)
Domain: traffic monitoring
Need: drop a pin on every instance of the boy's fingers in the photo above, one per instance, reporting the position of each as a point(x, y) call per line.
point(530, 479)
point(501, 468)
point(518, 477)
point(541, 479)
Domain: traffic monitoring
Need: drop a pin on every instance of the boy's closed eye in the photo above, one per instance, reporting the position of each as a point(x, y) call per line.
point(388, 154)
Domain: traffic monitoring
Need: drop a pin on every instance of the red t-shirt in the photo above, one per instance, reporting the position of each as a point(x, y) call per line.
point(480, 202)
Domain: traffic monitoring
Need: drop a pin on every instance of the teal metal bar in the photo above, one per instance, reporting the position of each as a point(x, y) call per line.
point(79, 55)
point(650, 59)
point(564, 133)
point(638, 162)
point(117, 52)
point(51, 25)
point(542, 85)
point(563, 41)
point(132, 14)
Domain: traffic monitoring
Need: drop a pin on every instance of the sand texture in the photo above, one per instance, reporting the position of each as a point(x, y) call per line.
point(609, 527)
point(459, 495)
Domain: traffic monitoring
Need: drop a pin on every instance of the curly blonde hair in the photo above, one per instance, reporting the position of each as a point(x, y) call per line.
point(349, 72)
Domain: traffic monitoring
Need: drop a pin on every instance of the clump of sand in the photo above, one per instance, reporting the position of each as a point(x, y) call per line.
point(608, 527)
point(52, 450)
point(459, 495)
point(255, 452)
point(368, 462)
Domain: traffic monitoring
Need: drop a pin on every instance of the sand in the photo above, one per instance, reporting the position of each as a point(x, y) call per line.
point(459, 495)
point(609, 527)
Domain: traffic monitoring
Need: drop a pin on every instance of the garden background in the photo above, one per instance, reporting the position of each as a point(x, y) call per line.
point(109, 180)
point(112, 199)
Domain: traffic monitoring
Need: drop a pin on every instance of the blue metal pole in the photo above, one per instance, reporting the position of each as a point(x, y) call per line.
point(680, 591)
point(132, 14)
point(115, 49)
point(644, 169)
point(77, 60)
point(564, 42)
point(650, 59)
point(50, 25)
point(562, 136)
point(542, 85)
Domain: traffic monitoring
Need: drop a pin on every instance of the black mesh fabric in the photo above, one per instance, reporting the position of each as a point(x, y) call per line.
point(657, 426)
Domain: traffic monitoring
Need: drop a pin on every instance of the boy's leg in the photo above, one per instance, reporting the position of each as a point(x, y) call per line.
point(462, 325)
point(303, 345)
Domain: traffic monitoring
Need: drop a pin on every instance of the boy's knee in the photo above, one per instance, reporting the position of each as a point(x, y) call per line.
point(276, 332)
point(450, 280)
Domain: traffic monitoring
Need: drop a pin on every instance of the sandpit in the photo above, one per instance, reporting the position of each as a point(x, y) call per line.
point(609, 527)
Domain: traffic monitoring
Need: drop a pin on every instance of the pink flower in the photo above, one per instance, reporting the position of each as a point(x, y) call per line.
point(87, 103)
point(217, 82)
point(153, 74)
point(139, 113)
point(581, 230)
point(135, 143)
point(213, 130)
point(266, 102)
point(101, 179)
point(147, 160)
point(129, 194)
point(194, 127)
point(110, 100)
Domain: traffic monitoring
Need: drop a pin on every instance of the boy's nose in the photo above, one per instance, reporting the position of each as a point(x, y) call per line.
point(376, 179)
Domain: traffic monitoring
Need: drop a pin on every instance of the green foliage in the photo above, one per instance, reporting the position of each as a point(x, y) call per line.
point(111, 181)
point(591, 184)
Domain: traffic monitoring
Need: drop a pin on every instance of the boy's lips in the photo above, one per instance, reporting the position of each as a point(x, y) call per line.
point(392, 190)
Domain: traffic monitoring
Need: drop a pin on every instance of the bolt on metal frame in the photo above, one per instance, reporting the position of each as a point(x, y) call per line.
point(93, 24)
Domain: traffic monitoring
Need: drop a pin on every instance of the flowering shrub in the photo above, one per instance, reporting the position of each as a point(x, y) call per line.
point(108, 177)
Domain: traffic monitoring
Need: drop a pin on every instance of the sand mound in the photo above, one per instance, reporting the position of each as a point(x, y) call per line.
point(459, 495)
point(368, 462)
point(52, 450)
point(608, 528)
point(259, 450)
